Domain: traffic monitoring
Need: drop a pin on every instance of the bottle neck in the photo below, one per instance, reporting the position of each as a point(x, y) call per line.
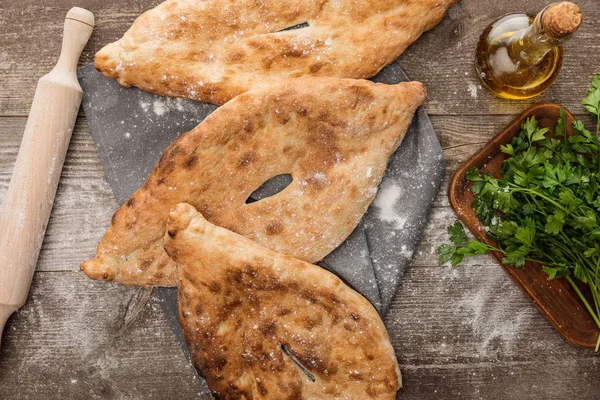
point(529, 46)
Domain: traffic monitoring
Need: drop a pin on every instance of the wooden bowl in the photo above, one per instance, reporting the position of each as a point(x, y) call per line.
point(555, 299)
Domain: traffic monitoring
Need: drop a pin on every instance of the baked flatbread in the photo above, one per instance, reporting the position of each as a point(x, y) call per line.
point(247, 313)
point(213, 50)
point(334, 136)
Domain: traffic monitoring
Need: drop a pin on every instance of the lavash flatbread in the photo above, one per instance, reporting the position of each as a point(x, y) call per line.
point(262, 325)
point(213, 50)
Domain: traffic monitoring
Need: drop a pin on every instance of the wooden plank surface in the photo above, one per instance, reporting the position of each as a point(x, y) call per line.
point(458, 333)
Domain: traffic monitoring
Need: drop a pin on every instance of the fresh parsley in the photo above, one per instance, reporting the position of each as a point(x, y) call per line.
point(592, 101)
point(545, 207)
point(461, 246)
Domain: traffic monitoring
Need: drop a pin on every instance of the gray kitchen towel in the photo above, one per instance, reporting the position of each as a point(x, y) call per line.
point(131, 129)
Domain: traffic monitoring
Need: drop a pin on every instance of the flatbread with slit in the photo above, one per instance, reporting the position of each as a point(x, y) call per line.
point(213, 50)
point(262, 325)
point(333, 136)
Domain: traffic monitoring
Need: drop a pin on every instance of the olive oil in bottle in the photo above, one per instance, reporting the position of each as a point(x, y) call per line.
point(520, 55)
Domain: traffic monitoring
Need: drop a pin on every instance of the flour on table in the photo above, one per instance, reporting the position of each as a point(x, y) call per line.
point(473, 90)
point(489, 317)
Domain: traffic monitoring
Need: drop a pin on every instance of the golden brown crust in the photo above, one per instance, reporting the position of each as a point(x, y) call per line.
point(334, 136)
point(214, 50)
point(246, 310)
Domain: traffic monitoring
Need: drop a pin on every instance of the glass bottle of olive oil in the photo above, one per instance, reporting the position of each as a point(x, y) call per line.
point(520, 55)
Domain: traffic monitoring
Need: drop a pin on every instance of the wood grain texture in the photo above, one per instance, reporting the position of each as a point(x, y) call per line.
point(464, 333)
point(76, 338)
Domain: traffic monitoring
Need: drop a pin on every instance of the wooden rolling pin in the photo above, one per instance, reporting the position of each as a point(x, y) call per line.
point(30, 196)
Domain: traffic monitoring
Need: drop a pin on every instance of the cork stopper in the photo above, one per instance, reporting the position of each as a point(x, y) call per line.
point(561, 19)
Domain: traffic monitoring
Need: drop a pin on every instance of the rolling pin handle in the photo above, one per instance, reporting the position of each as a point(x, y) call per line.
point(79, 24)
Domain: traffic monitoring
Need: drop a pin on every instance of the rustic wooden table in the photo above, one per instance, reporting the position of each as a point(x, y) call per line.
point(463, 333)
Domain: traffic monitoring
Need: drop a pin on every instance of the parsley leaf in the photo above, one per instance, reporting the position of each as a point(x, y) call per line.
point(592, 101)
point(457, 233)
point(560, 129)
point(555, 222)
point(447, 253)
point(473, 248)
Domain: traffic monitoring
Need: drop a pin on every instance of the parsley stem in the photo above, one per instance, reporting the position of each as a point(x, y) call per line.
point(597, 279)
point(585, 302)
point(536, 193)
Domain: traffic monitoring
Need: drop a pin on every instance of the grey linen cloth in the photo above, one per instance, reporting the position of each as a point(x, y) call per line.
point(131, 129)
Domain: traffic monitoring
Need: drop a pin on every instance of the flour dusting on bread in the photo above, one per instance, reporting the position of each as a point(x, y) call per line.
point(260, 324)
point(213, 50)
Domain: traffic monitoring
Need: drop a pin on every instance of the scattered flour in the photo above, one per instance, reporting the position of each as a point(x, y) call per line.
point(159, 107)
point(385, 202)
point(490, 318)
point(6, 61)
point(473, 90)
point(406, 252)
point(162, 106)
point(319, 177)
